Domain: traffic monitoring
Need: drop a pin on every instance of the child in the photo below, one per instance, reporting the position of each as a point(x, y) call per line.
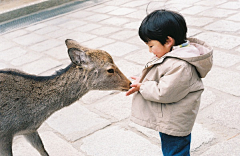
point(167, 96)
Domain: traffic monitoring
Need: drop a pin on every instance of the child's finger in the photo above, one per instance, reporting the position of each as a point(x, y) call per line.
point(134, 85)
point(133, 77)
point(130, 91)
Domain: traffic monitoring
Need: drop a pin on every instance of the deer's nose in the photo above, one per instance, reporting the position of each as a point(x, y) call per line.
point(130, 84)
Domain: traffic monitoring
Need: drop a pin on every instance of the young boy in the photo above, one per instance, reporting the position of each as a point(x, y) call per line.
point(167, 95)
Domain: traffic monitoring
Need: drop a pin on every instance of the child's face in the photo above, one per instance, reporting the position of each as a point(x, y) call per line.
point(157, 48)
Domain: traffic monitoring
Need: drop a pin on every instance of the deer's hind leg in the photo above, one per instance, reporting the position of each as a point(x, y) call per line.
point(6, 146)
point(36, 142)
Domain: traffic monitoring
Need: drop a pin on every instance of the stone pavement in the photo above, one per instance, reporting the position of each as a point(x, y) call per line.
point(98, 124)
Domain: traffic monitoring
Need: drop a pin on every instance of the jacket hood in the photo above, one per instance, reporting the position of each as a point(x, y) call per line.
point(197, 53)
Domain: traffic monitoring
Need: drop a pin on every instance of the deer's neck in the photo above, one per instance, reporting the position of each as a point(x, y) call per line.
point(66, 87)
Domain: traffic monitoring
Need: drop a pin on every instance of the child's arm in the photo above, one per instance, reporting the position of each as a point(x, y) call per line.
point(172, 87)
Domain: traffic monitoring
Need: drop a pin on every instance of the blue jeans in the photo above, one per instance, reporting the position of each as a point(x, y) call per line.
point(175, 146)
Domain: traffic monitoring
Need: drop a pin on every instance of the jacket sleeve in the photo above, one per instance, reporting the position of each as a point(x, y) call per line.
point(172, 86)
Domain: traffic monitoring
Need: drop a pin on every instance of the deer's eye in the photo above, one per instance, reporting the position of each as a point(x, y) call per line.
point(110, 70)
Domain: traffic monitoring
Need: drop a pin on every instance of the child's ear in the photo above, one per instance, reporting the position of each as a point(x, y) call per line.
point(170, 42)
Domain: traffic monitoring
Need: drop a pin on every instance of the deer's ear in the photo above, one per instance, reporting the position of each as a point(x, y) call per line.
point(71, 43)
point(78, 57)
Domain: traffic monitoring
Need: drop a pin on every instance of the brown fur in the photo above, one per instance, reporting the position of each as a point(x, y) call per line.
point(26, 101)
point(97, 55)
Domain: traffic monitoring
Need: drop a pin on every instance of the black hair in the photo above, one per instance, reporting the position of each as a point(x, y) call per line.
point(160, 24)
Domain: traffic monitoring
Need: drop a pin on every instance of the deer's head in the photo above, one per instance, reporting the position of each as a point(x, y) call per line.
point(102, 72)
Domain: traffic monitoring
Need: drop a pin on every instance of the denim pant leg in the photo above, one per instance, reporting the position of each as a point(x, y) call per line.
point(175, 146)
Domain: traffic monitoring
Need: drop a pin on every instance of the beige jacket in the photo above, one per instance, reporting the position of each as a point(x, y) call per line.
point(169, 97)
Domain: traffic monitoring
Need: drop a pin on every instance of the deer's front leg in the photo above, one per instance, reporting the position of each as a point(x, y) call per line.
point(6, 146)
point(36, 142)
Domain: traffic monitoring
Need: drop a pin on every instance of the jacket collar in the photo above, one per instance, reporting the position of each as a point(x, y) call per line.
point(197, 53)
point(156, 60)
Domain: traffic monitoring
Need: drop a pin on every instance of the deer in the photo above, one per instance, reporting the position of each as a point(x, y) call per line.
point(26, 100)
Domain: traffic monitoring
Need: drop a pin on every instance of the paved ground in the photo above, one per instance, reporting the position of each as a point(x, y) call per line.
point(98, 124)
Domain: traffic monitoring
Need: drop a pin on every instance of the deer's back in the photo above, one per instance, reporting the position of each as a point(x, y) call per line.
point(17, 87)
point(21, 100)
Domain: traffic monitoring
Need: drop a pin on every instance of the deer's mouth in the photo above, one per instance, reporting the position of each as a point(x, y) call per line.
point(126, 88)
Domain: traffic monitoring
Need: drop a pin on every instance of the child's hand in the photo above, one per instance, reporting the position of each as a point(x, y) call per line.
point(137, 79)
point(135, 88)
